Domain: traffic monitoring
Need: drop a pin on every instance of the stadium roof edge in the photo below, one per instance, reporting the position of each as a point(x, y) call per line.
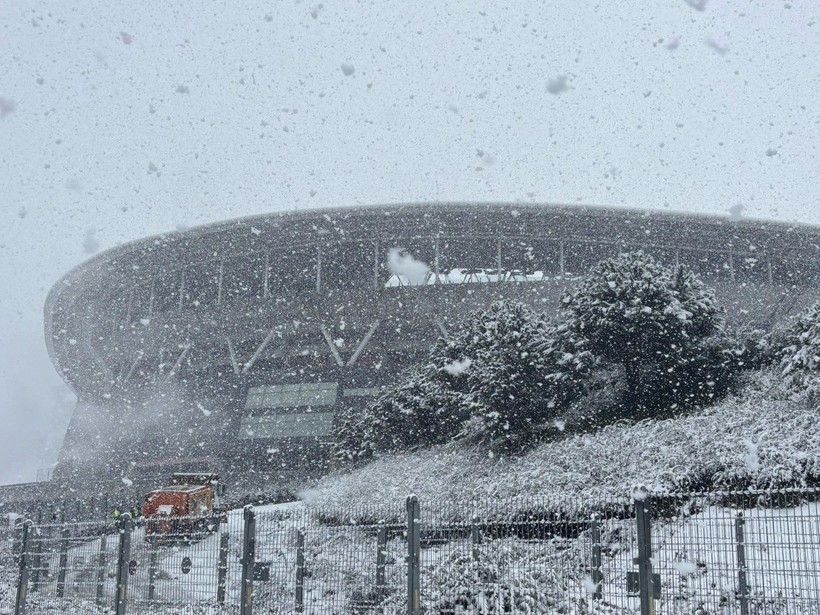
point(76, 274)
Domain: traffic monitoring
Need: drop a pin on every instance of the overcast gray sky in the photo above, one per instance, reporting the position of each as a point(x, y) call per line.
point(120, 120)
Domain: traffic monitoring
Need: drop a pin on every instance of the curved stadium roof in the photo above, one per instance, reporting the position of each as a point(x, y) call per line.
point(84, 311)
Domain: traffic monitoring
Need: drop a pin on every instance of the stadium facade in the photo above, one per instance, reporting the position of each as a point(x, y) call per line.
point(234, 347)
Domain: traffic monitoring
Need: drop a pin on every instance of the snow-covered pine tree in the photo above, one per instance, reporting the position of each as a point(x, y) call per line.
point(504, 374)
point(654, 321)
point(800, 354)
point(524, 370)
point(421, 409)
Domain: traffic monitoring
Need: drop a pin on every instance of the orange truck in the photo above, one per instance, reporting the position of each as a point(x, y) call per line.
point(186, 508)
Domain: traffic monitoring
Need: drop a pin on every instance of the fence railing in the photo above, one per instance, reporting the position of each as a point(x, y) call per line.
point(749, 553)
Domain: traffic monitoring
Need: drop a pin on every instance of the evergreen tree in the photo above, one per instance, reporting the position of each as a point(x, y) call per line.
point(800, 353)
point(500, 378)
point(661, 324)
point(524, 370)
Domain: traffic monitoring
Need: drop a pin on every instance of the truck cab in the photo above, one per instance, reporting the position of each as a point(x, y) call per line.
point(190, 505)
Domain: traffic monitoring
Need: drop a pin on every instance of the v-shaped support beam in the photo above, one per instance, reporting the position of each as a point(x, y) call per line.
point(179, 361)
point(246, 368)
point(334, 350)
point(232, 355)
point(363, 344)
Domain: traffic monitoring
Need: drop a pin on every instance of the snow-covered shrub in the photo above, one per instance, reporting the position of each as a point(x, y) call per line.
point(499, 581)
point(524, 370)
point(758, 348)
point(505, 374)
point(509, 576)
point(661, 324)
point(418, 411)
point(800, 354)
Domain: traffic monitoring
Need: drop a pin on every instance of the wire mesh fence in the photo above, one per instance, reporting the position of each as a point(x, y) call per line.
point(9, 562)
point(184, 561)
point(69, 565)
point(747, 553)
point(526, 556)
point(329, 561)
point(750, 553)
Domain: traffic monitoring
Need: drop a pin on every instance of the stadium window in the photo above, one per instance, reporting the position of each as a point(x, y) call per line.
point(287, 425)
point(292, 395)
point(270, 410)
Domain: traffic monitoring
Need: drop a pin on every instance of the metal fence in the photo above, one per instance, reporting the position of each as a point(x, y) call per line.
point(750, 553)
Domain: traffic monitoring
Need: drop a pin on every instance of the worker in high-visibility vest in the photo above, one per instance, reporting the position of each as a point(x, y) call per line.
point(116, 513)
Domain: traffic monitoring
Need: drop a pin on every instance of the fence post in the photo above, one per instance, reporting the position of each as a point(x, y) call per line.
point(300, 571)
point(597, 577)
point(741, 564)
point(63, 565)
point(22, 579)
point(381, 560)
point(224, 542)
point(644, 559)
point(101, 563)
point(413, 555)
point(122, 564)
point(248, 558)
point(152, 567)
point(475, 537)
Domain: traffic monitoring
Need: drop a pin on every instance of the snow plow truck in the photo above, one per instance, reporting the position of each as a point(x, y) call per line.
point(187, 509)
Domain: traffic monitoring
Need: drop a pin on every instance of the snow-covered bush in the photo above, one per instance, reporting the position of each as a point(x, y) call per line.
point(661, 324)
point(506, 374)
point(501, 580)
point(418, 411)
point(523, 371)
point(800, 354)
point(508, 576)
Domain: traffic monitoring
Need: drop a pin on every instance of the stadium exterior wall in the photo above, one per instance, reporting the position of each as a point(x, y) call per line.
point(234, 346)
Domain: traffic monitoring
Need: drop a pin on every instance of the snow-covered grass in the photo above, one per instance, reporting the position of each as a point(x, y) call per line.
point(757, 439)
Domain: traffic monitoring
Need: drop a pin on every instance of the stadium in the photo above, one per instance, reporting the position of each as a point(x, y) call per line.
point(234, 347)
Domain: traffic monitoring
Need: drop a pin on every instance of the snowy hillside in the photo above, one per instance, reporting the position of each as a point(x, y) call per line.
point(759, 438)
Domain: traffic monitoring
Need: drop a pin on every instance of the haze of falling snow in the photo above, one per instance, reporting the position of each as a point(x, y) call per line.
point(120, 122)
